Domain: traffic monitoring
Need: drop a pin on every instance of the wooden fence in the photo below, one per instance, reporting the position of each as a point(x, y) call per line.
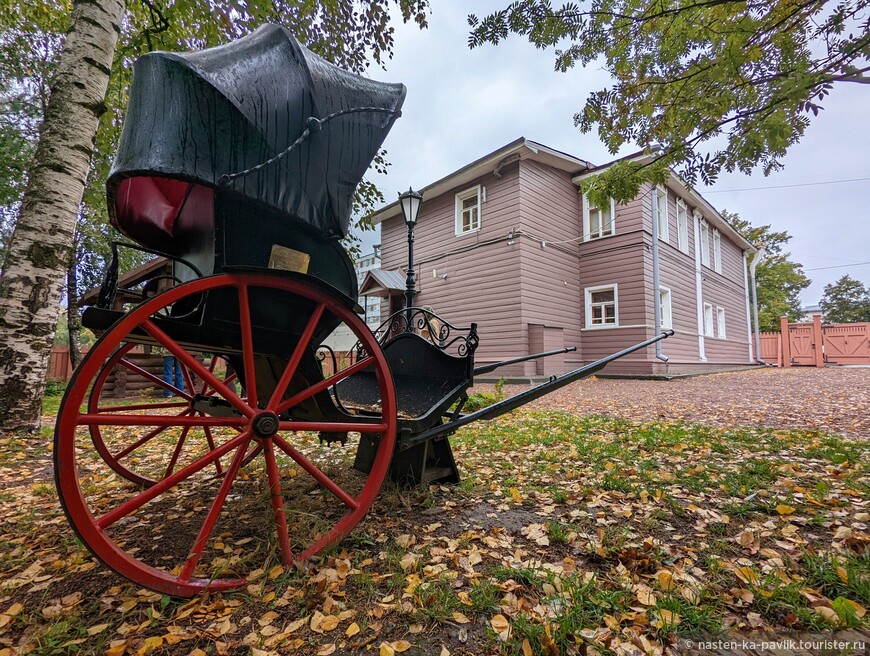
point(816, 344)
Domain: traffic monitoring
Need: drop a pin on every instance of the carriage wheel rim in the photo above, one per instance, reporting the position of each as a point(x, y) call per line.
point(92, 530)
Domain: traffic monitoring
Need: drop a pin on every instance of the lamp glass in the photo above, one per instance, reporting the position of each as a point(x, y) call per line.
point(410, 201)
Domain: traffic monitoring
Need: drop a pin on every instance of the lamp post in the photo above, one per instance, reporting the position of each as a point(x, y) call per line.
point(410, 202)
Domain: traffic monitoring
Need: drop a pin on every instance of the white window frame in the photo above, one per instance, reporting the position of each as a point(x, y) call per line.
point(717, 251)
point(666, 308)
point(662, 218)
point(460, 198)
point(721, 331)
point(587, 225)
point(704, 246)
point(682, 226)
point(708, 320)
point(602, 288)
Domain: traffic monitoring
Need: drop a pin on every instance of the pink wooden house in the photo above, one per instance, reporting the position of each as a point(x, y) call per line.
point(509, 241)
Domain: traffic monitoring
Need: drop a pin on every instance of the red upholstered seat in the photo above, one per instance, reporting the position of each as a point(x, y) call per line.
point(164, 213)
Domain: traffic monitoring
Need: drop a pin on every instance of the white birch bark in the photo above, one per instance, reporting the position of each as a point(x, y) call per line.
point(41, 245)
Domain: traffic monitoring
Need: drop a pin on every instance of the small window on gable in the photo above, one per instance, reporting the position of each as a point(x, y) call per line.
point(468, 211)
point(662, 213)
point(704, 246)
point(682, 226)
point(602, 306)
point(708, 320)
point(598, 222)
point(665, 307)
point(717, 251)
point(720, 323)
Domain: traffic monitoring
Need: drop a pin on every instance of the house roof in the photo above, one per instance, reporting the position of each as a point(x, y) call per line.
point(130, 279)
point(521, 148)
point(380, 282)
point(707, 210)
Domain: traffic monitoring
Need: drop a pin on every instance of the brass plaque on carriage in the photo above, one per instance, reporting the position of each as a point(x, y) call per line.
point(286, 259)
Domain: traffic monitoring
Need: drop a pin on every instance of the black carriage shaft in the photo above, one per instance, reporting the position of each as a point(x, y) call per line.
point(513, 402)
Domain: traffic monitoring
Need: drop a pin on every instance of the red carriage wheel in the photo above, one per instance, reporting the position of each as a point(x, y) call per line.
point(122, 450)
point(191, 530)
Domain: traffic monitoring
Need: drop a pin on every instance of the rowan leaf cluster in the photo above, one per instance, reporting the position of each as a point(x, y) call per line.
point(705, 85)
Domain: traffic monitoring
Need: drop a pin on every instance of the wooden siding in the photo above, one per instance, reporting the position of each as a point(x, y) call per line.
point(483, 281)
point(677, 273)
point(525, 297)
point(550, 291)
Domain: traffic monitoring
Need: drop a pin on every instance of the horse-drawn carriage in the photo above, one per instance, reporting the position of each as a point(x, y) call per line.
point(239, 163)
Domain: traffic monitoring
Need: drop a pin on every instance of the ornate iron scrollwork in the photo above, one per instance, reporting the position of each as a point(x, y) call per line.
point(425, 323)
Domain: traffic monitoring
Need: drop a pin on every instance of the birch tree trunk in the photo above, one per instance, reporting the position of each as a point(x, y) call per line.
point(73, 315)
point(41, 245)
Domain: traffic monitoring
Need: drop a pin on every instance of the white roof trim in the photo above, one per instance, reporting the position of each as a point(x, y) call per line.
point(524, 148)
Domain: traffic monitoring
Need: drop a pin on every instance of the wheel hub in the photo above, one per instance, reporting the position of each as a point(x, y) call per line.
point(265, 424)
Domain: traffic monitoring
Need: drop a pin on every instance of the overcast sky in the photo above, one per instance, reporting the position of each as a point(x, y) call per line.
point(463, 104)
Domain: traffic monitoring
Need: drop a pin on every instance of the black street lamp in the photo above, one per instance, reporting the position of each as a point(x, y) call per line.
point(410, 202)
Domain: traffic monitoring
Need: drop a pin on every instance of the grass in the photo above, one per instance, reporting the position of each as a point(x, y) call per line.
point(626, 509)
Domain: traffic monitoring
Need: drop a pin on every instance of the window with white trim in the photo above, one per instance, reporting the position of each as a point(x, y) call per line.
point(468, 211)
point(720, 323)
point(602, 306)
point(665, 307)
point(717, 251)
point(704, 246)
point(662, 215)
point(682, 226)
point(598, 222)
point(708, 320)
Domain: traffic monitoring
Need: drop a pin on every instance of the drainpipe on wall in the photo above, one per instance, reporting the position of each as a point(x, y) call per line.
point(752, 267)
point(657, 294)
point(699, 285)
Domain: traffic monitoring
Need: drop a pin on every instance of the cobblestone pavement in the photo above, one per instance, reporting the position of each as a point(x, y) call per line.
point(835, 399)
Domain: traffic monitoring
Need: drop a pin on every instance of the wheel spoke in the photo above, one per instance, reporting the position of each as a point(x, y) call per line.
point(210, 439)
point(315, 473)
point(293, 363)
point(205, 388)
point(147, 375)
point(177, 451)
point(185, 357)
point(153, 492)
point(142, 440)
point(277, 501)
point(213, 514)
point(332, 426)
point(188, 378)
point(247, 345)
point(324, 384)
point(157, 420)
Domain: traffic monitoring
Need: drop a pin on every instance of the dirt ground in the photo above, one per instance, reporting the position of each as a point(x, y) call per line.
point(835, 399)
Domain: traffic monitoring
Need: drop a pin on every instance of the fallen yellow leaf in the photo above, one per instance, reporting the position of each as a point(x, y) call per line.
point(329, 623)
point(499, 623)
point(666, 580)
point(516, 495)
point(783, 509)
point(401, 645)
point(352, 630)
point(860, 611)
point(459, 618)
